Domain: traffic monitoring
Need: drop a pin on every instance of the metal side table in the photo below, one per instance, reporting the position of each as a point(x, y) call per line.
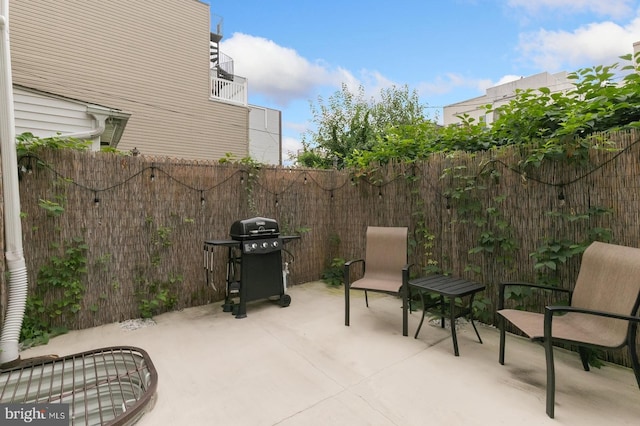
point(452, 288)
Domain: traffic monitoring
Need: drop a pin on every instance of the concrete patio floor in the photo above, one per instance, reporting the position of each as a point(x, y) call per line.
point(301, 366)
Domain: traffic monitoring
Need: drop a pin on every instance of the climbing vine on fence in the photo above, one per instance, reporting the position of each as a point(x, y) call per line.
point(58, 293)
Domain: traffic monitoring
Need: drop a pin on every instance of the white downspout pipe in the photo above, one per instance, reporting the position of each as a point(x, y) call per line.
point(14, 256)
point(93, 134)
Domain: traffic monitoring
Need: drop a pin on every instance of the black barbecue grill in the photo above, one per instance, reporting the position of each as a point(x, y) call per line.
point(254, 264)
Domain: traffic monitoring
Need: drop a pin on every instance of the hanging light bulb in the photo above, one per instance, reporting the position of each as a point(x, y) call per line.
point(202, 199)
point(96, 200)
point(561, 198)
point(153, 174)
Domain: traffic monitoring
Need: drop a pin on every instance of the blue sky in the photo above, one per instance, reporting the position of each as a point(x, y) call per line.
point(293, 51)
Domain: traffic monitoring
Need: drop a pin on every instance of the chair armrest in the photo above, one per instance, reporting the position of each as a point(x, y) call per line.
point(405, 280)
point(347, 270)
point(556, 309)
point(351, 262)
point(549, 311)
point(504, 285)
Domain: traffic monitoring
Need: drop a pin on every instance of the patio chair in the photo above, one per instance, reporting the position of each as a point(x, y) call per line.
point(384, 268)
point(602, 311)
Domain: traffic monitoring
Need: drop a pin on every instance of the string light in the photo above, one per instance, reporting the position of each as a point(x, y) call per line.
point(305, 180)
point(561, 198)
point(276, 200)
point(202, 198)
point(28, 168)
point(96, 200)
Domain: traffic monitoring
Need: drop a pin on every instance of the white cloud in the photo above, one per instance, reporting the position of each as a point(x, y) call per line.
point(296, 127)
point(451, 81)
point(373, 82)
point(593, 44)
point(279, 73)
point(290, 145)
point(290, 148)
point(611, 8)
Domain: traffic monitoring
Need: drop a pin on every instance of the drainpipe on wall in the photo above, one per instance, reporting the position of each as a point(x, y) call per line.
point(14, 256)
point(93, 135)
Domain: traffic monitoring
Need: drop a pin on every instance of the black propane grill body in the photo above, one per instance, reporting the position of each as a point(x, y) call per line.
point(254, 265)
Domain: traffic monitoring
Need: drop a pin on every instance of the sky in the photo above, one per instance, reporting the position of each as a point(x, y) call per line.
point(293, 52)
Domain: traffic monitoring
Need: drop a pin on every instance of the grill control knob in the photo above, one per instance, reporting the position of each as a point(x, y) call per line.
point(274, 244)
point(254, 246)
point(265, 244)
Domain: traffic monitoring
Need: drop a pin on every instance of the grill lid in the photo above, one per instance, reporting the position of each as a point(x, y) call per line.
point(253, 228)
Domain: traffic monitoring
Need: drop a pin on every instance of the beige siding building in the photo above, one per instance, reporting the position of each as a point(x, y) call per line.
point(149, 59)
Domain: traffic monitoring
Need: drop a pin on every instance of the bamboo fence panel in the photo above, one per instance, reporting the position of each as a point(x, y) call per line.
point(125, 207)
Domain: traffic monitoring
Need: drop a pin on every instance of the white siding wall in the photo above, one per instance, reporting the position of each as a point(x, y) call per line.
point(149, 58)
point(265, 143)
point(46, 116)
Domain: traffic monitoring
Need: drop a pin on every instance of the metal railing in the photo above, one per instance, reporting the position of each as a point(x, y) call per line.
point(229, 91)
point(225, 64)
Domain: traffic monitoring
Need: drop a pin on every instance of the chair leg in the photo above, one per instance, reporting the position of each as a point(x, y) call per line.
point(406, 305)
point(551, 377)
point(452, 323)
point(584, 357)
point(501, 326)
point(347, 302)
point(634, 362)
point(633, 351)
point(422, 318)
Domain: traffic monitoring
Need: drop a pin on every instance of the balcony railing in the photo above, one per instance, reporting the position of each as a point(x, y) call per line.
point(224, 90)
point(225, 65)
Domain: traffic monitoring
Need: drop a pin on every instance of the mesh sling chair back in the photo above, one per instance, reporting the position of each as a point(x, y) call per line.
point(602, 314)
point(384, 267)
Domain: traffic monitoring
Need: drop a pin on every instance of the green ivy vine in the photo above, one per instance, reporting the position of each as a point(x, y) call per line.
point(58, 293)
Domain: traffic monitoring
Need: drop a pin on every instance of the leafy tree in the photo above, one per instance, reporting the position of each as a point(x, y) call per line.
point(594, 104)
point(406, 143)
point(398, 106)
point(554, 125)
point(347, 122)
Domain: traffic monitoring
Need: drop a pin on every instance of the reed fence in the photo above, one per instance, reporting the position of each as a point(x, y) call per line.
point(145, 218)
